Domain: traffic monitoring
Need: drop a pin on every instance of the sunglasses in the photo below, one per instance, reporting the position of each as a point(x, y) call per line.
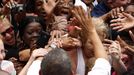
point(9, 30)
point(4, 51)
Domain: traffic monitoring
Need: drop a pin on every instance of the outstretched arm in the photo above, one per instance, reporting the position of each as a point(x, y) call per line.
point(87, 25)
point(121, 24)
point(36, 53)
point(115, 54)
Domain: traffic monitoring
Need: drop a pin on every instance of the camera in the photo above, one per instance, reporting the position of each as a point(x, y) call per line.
point(18, 8)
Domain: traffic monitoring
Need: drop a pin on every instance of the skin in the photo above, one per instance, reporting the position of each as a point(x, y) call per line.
point(9, 38)
point(130, 10)
point(2, 52)
point(45, 7)
point(116, 3)
point(31, 32)
point(36, 53)
point(121, 24)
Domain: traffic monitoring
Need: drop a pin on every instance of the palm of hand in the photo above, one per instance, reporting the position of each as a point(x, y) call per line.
point(128, 22)
point(49, 6)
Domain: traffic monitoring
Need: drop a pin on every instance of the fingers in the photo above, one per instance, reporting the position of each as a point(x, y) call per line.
point(55, 39)
point(108, 41)
point(131, 35)
point(116, 20)
point(39, 52)
point(58, 1)
point(117, 27)
point(78, 28)
point(84, 20)
point(117, 24)
point(122, 42)
point(11, 4)
point(127, 15)
point(114, 12)
point(44, 2)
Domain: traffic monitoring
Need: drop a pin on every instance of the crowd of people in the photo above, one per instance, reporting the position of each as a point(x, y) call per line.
point(66, 37)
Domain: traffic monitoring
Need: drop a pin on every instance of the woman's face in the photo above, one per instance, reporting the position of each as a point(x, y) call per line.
point(31, 32)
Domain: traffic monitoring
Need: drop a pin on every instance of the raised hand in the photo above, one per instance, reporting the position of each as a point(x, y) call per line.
point(121, 24)
point(114, 49)
point(50, 5)
point(84, 20)
point(55, 39)
point(8, 6)
point(131, 35)
point(114, 12)
point(127, 48)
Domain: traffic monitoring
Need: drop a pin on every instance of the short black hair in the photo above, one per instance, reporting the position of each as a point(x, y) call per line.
point(56, 62)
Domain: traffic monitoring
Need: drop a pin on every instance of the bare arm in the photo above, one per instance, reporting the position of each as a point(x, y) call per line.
point(115, 53)
point(36, 53)
point(86, 24)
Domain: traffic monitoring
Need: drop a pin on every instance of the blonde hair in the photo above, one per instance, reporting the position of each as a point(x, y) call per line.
point(101, 27)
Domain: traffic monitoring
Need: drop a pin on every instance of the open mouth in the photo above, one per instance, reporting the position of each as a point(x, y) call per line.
point(10, 41)
point(125, 60)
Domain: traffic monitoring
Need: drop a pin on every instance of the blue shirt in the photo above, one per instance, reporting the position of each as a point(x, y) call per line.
point(100, 10)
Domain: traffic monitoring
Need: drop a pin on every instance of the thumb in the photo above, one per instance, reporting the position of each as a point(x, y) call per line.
point(131, 35)
point(127, 15)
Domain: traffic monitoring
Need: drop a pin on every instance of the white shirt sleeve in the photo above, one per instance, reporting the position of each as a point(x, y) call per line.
point(8, 66)
point(101, 67)
point(34, 68)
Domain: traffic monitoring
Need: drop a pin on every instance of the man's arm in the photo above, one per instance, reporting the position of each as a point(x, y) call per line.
point(36, 53)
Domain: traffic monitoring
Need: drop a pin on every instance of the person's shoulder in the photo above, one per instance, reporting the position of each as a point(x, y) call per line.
point(6, 62)
point(8, 66)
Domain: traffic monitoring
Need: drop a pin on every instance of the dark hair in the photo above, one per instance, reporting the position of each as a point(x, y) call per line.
point(129, 72)
point(29, 19)
point(30, 6)
point(56, 62)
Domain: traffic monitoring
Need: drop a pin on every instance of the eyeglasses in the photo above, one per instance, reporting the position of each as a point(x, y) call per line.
point(4, 51)
point(9, 30)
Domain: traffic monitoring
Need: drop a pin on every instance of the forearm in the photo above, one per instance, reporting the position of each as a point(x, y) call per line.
point(98, 46)
point(25, 69)
point(119, 67)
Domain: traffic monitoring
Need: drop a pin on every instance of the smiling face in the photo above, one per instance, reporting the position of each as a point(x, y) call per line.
point(7, 32)
point(31, 32)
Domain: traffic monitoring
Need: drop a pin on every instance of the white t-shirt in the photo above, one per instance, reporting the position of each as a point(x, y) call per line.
point(101, 67)
point(34, 68)
point(8, 67)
